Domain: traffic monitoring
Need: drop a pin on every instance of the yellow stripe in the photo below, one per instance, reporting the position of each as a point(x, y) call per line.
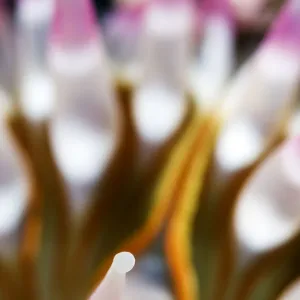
point(178, 249)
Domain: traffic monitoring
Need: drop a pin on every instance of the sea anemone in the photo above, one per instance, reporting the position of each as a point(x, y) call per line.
point(139, 144)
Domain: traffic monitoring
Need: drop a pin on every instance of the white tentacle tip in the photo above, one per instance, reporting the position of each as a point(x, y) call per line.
point(123, 262)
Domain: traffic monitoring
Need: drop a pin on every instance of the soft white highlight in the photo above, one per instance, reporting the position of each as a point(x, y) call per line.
point(159, 104)
point(123, 262)
point(214, 64)
point(261, 227)
point(158, 113)
point(292, 292)
point(167, 20)
point(81, 152)
point(37, 95)
point(278, 65)
point(36, 85)
point(13, 201)
point(166, 44)
point(33, 12)
point(76, 62)
point(113, 285)
point(14, 184)
point(84, 128)
point(256, 105)
point(238, 146)
point(267, 81)
point(267, 214)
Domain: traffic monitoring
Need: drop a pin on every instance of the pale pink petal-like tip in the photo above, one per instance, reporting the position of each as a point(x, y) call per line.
point(74, 23)
point(285, 29)
point(218, 7)
point(253, 14)
point(128, 17)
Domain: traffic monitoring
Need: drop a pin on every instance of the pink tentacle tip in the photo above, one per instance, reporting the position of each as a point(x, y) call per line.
point(133, 7)
point(131, 14)
point(286, 27)
point(74, 23)
point(221, 8)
